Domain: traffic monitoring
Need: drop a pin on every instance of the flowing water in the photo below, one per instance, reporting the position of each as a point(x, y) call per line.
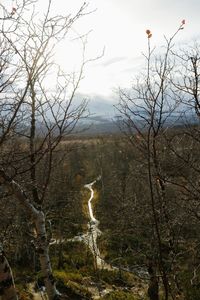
point(90, 238)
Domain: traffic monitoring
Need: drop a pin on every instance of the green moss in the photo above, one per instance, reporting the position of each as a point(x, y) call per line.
point(79, 289)
point(71, 284)
point(118, 278)
point(65, 277)
point(119, 295)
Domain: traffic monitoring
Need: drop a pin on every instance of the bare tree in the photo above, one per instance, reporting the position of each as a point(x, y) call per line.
point(184, 145)
point(34, 115)
point(146, 109)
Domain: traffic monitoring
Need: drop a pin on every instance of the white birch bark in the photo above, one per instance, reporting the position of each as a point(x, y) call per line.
point(42, 244)
point(42, 248)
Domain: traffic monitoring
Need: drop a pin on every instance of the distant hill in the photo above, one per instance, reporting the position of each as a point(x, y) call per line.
point(99, 124)
point(107, 127)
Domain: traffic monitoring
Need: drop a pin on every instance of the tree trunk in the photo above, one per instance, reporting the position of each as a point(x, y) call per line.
point(7, 286)
point(42, 244)
point(42, 248)
point(153, 284)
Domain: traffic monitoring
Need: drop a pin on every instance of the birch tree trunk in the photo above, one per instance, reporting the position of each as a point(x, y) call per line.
point(42, 244)
point(42, 248)
point(7, 286)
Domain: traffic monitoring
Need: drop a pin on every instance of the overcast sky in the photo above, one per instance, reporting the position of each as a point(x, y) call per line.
point(119, 26)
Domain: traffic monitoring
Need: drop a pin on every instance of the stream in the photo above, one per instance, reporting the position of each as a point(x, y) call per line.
point(93, 231)
point(90, 238)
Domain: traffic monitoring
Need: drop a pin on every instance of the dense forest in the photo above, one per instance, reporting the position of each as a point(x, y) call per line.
point(140, 258)
point(108, 216)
